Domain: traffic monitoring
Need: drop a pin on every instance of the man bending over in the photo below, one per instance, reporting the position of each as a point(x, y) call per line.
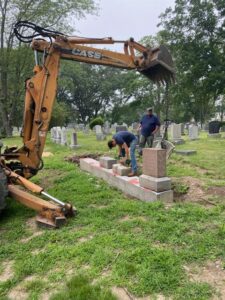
point(126, 143)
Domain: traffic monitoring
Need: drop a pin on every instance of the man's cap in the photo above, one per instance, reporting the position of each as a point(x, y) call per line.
point(149, 109)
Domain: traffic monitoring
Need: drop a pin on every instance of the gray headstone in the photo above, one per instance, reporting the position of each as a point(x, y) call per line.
point(74, 144)
point(193, 132)
point(121, 128)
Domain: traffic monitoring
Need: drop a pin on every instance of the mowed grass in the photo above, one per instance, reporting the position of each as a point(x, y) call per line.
point(144, 248)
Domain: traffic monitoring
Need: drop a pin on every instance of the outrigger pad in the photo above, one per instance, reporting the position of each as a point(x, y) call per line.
point(45, 222)
point(158, 65)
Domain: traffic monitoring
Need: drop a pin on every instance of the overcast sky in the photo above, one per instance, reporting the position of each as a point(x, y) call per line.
point(122, 19)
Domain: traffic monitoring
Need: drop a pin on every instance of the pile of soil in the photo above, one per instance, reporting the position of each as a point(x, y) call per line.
point(76, 158)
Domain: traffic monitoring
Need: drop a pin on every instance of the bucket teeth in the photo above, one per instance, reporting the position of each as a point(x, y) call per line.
point(157, 65)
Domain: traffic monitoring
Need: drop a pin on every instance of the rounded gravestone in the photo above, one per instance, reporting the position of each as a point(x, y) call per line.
point(214, 127)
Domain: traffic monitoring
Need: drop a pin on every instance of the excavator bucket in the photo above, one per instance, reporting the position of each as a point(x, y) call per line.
point(157, 65)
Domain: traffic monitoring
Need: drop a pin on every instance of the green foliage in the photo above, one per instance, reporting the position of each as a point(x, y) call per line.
point(91, 89)
point(96, 121)
point(16, 60)
point(193, 31)
point(180, 188)
point(60, 115)
point(81, 289)
point(193, 291)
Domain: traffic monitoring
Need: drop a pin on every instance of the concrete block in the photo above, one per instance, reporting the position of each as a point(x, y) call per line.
point(155, 184)
point(122, 170)
point(130, 186)
point(185, 152)
point(107, 162)
point(114, 167)
point(154, 162)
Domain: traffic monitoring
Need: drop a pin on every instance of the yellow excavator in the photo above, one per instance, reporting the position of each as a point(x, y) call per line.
point(17, 165)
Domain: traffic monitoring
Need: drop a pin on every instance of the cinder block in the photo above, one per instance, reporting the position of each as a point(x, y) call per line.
point(154, 162)
point(155, 184)
point(129, 186)
point(114, 167)
point(107, 162)
point(123, 171)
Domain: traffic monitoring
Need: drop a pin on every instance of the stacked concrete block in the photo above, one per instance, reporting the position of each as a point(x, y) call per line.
point(121, 170)
point(155, 184)
point(129, 186)
point(107, 162)
point(154, 171)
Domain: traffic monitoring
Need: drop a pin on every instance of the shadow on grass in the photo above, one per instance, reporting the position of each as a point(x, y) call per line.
point(80, 288)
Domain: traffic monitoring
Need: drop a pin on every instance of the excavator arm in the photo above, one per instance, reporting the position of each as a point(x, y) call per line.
point(41, 89)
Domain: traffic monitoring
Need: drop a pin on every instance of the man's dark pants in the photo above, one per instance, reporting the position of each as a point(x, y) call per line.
point(143, 140)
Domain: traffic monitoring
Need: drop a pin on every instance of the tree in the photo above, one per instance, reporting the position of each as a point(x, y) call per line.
point(141, 92)
point(45, 13)
point(193, 31)
point(60, 115)
point(89, 89)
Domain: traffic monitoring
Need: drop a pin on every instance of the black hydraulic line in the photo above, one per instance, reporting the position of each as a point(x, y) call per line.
point(22, 26)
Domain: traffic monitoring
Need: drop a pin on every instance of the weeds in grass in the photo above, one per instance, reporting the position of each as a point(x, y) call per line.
point(145, 252)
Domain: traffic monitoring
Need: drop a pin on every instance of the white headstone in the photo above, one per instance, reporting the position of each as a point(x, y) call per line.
point(15, 131)
point(58, 135)
point(193, 132)
point(63, 137)
point(176, 131)
point(98, 129)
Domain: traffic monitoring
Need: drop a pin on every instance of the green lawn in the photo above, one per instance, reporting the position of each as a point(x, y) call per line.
point(147, 249)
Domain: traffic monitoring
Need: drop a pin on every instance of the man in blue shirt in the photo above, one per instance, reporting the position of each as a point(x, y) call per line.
point(126, 142)
point(149, 125)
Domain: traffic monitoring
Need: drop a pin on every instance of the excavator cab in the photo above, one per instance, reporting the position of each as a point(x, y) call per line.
point(157, 65)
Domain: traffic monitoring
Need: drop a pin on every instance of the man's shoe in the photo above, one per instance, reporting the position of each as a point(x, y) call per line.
point(132, 174)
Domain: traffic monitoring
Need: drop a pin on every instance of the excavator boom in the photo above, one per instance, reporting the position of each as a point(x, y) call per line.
point(155, 63)
point(23, 163)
